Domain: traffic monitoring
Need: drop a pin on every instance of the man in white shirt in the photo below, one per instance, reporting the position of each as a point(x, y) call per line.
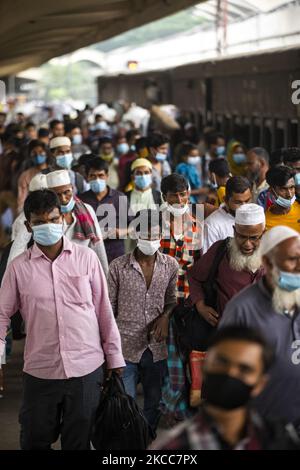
point(219, 225)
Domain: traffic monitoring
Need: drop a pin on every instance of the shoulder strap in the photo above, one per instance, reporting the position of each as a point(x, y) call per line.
point(220, 253)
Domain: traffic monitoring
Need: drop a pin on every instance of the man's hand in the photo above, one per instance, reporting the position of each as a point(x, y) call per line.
point(118, 371)
point(161, 328)
point(208, 313)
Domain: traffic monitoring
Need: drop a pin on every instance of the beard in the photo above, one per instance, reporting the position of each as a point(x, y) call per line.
point(283, 300)
point(240, 262)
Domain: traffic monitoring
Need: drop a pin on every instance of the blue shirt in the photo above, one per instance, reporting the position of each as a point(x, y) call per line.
point(192, 175)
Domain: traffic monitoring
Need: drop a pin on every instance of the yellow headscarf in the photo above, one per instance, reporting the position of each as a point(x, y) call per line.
point(235, 169)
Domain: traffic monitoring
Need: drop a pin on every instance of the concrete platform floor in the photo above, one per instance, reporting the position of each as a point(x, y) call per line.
point(11, 401)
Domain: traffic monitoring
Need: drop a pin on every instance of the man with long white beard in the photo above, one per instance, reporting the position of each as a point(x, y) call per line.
point(272, 306)
point(236, 263)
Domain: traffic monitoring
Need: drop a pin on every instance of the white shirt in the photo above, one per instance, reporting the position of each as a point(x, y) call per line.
point(23, 237)
point(217, 226)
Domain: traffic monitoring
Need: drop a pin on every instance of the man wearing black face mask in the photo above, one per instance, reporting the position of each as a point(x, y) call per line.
point(236, 367)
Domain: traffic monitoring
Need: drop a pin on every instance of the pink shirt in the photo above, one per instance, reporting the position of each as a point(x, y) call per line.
point(70, 326)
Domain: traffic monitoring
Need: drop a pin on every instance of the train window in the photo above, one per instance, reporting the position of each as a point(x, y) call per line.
point(256, 132)
point(279, 134)
point(293, 133)
point(267, 134)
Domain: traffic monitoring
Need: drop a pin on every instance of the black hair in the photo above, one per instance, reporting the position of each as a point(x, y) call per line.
point(156, 139)
point(97, 164)
point(104, 140)
point(261, 153)
point(70, 125)
point(54, 122)
point(35, 143)
point(220, 167)
point(141, 143)
point(236, 184)
point(29, 124)
point(39, 202)
point(174, 183)
point(279, 175)
point(43, 132)
point(131, 133)
point(212, 137)
point(249, 335)
point(291, 154)
point(186, 148)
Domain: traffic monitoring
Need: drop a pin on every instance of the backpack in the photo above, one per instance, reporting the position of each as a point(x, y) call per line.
point(119, 423)
point(192, 331)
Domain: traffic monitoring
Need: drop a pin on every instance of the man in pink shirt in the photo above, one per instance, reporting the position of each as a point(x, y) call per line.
point(60, 289)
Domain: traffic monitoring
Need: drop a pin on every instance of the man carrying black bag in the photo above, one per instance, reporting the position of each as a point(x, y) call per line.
point(119, 422)
point(225, 269)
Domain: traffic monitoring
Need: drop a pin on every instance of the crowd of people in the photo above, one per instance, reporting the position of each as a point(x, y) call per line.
point(171, 261)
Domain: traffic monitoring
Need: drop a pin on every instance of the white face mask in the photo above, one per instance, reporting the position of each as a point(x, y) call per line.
point(177, 210)
point(193, 160)
point(148, 247)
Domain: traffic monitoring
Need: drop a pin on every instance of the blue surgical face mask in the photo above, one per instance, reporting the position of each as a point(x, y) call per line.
point(98, 185)
point(133, 148)
point(77, 139)
point(122, 148)
point(297, 179)
point(286, 203)
point(214, 185)
point(220, 150)
point(143, 181)
point(40, 159)
point(160, 157)
point(68, 207)
point(64, 161)
point(47, 234)
point(193, 160)
point(239, 158)
point(289, 281)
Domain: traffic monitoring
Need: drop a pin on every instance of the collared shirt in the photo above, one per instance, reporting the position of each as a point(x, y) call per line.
point(23, 238)
point(256, 190)
point(253, 308)
point(185, 249)
point(291, 219)
point(157, 177)
point(136, 308)
point(114, 247)
point(201, 433)
point(228, 281)
point(217, 226)
point(70, 326)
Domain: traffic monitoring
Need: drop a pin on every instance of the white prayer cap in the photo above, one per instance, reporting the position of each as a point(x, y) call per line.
point(274, 236)
point(250, 214)
point(59, 142)
point(58, 178)
point(39, 181)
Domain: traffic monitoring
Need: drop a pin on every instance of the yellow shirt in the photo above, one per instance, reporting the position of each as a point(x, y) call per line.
point(220, 196)
point(292, 219)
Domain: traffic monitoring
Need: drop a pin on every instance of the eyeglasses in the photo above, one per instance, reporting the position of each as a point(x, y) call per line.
point(245, 238)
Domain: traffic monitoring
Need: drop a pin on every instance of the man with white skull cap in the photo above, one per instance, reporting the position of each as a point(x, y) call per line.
point(272, 306)
point(238, 266)
point(19, 235)
point(231, 264)
point(61, 151)
point(81, 223)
